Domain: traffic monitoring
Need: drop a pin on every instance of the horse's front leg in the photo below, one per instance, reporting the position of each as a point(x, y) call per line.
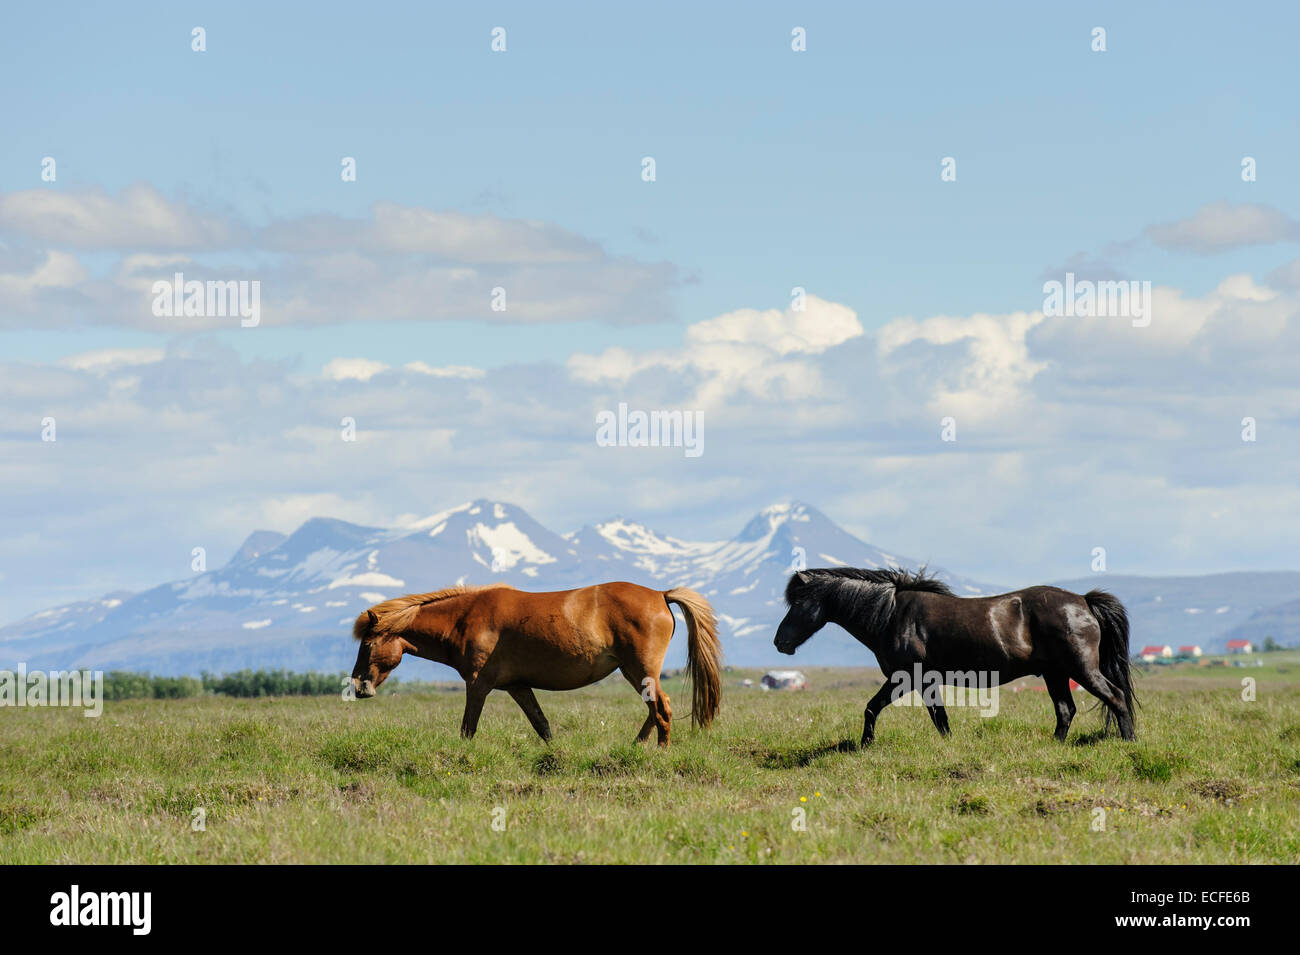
point(475, 693)
point(883, 697)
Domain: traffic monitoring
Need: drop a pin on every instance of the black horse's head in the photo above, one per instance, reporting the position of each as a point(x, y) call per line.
point(807, 614)
point(859, 599)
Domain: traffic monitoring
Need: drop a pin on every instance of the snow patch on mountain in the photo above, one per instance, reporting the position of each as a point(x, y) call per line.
point(372, 578)
point(507, 545)
point(436, 523)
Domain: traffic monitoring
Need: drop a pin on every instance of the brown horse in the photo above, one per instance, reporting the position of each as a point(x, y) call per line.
point(499, 638)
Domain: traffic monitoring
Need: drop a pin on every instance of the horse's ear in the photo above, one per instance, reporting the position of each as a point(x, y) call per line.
point(801, 577)
point(374, 619)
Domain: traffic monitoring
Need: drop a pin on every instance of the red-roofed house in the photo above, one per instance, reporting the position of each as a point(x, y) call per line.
point(1240, 646)
point(1192, 651)
point(1152, 653)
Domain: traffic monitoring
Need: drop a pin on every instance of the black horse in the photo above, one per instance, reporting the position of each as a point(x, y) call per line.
point(916, 626)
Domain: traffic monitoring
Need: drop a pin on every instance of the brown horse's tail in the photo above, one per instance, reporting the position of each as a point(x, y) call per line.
point(703, 653)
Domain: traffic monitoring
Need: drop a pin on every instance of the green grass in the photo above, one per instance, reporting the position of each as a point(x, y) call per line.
point(1212, 779)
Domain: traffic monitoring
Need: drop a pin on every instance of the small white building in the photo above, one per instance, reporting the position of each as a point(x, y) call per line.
point(1153, 653)
point(1240, 646)
point(784, 680)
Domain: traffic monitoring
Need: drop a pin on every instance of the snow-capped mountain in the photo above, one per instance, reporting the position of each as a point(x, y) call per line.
point(745, 577)
point(290, 601)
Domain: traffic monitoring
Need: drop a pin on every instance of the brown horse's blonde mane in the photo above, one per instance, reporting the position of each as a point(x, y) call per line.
point(398, 613)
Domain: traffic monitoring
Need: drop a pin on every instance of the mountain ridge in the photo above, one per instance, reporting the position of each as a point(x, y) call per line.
point(288, 600)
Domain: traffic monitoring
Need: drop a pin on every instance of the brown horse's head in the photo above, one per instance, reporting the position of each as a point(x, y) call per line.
point(380, 651)
point(403, 625)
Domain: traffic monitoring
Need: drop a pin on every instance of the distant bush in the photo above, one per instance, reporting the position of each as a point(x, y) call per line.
point(125, 685)
point(274, 683)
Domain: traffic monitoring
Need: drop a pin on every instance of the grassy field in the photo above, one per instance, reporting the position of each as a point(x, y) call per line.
point(1211, 779)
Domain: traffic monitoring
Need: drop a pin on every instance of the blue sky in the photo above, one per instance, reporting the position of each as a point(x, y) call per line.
point(775, 169)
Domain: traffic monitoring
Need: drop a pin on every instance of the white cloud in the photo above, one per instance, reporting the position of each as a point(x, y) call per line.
point(56, 270)
point(1072, 433)
point(139, 217)
point(980, 363)
point(1220, 226)
point(819, 326)
point(363, 369)
point(446, 371)
point(745, 351)
point(476, 238)
point(360, 369)
point(396, 263)
point(106, 358)
point(1194, 344)
point(287, 512)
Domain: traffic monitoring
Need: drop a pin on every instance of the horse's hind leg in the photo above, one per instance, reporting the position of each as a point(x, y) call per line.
point(532, 709)
point(641, 663)
point(655, 699)
point(1091, 679)
point(1058, 687)
point(940, 717)
point(664, 714)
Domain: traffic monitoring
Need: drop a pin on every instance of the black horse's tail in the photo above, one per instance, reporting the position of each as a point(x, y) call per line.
point(1114, 664)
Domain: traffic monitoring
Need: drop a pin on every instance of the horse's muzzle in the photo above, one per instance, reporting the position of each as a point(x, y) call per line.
point(363, 689)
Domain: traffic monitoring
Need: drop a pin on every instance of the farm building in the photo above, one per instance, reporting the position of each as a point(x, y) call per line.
point(1240, 646)
point(1151, 654)
point(784, 680)
point(1189, 652)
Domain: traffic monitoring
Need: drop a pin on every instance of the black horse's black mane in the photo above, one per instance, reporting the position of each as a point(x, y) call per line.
point(859, 593)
